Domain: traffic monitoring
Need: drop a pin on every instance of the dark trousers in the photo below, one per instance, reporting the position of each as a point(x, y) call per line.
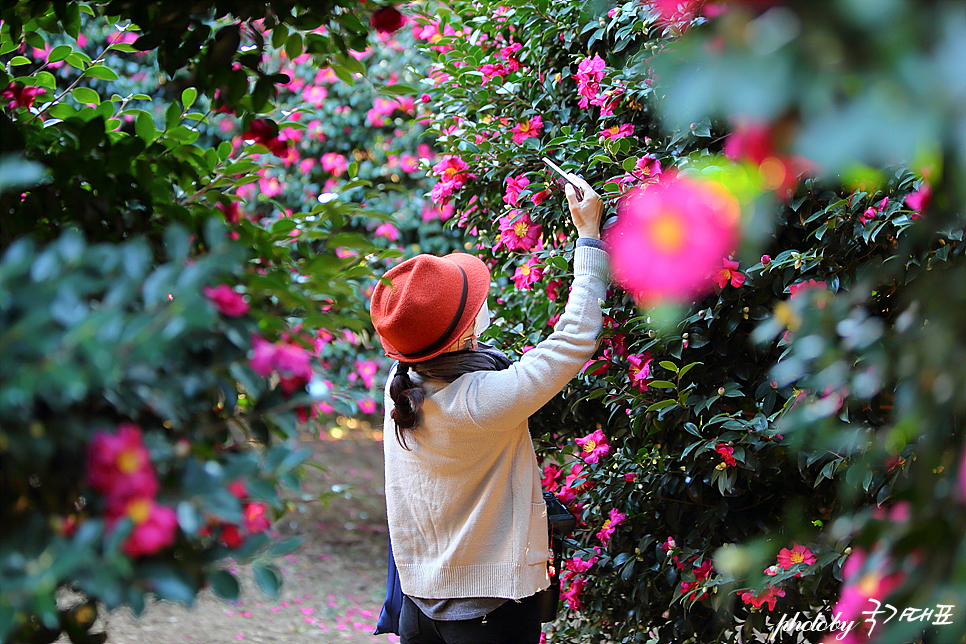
point(511, 623)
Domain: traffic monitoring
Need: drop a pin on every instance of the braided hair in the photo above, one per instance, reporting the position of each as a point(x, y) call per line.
point(408, 398)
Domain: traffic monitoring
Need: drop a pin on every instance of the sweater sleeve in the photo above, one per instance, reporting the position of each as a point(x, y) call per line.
point(503, 400)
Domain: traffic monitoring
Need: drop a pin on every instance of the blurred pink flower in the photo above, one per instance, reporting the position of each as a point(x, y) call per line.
point(118, 464)
point(797, 289)
point(727, 454)
point(519, 232)
point(640, 370)
point(154, 528)
point(729, 273)
point(539, 197)
point(864, 580)
point(514, 186)
point(594, 446)
point(919, 200)
point(670, 238)
point(227, 300)
point(616, 519)
point(553, 286)
point(387, 20)
point(527, 129)
point(367, 405)
point(18, 95)
point(334, 163)
point(289, 360)
point(768, 597)
point(528, 274)
point(388, 231)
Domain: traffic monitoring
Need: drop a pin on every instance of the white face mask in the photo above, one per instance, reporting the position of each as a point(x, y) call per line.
point(482, 320)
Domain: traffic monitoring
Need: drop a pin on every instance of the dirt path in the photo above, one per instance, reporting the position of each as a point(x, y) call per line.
point(334, 584)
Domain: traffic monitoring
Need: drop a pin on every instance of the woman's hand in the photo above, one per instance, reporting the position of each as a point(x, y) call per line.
point(585, 211)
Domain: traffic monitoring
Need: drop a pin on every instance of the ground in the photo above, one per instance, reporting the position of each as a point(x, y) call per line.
point(333, 586)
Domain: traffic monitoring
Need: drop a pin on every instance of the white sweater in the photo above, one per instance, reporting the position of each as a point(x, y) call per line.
point(465, 506)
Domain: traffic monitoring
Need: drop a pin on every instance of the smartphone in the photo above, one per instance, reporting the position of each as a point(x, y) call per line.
point(553, 166)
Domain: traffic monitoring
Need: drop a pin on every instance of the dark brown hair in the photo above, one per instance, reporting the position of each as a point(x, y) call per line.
point(408, 398)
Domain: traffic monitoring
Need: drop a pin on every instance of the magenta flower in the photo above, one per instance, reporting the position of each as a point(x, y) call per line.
point(572, 594)
point(768, 597)
point(528, 274)
point(255, 518)
point(727, 454)
point(551, 472)
point(334, 163)
point(864, 579)
point(367, 405)
point(594, 446)
point(729, 273)
point(519, 232)
point(19, 95)
point(527, 129)
point(615, 132)
point(388, 231)
point(118, 466)
point(798, 554)
point(514, 186)
point(452, 174)
point(647, 167)
point(616, 519)
point(264, 132)
point(288, 360)
point(387, 20)
point(590, 71)
point(577, 564)
point(640, 371)
point(671, 237)
point(539, 197)
point(154, 529)
point(227, 300)
point(919, 200)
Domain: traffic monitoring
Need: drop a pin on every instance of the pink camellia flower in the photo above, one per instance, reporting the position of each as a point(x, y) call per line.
point(647, 168)
point(798, 554)
point(255, 519)
point(334, 163)
point(590, 71)
point(551, 472)
point(452, 174)
point(367, 405)
point(227, 300)
point(729, 273)
point(577, 564)
point(154, 528)
point(289, 360)
point(668, 545)
point(118, 465)
point(919, 200)
point(527, 129)
point(616, 519)
point(864, 580)
point(539, 197)
point(671, 236)
point(640, 371)
point(507, 55)
point(797, 289)
point(519, 232)
point(367, 370)
point(528, 274)
point(388, 231)
point(594, 446)
point(514, 186)
point(727, 454)
point(768, 597)
point(868, 215)
point(615, 132)
point(387, 20)
point(572, 594)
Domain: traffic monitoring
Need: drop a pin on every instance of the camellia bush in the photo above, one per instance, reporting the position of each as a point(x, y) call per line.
point(772, 429)
point(162, 314)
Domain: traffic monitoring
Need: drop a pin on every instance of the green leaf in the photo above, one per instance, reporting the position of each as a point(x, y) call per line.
point(661, 384)
point(293, 46)
point(670, 366)
point(267, 578)
point(100, 72)
point(59, 53)
point(398, 89)
point(85, 96)
point(20, 60)
point(224, 584)
point(688, 368)
point(188, 97)
point(144, 128)
point(661, 405)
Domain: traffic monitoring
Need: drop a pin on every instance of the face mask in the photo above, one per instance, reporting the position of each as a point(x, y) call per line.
point(482, 321)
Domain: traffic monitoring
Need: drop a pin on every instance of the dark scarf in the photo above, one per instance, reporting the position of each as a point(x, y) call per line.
point(451, 365)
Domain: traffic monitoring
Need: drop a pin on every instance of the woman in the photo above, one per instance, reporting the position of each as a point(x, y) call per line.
point(466, 514)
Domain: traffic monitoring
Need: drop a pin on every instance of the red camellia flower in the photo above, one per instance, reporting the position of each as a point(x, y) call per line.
point(798, 554)
point(767, 597)
point(118, 465)
point(671, 237)
point(797, 289)
point(19, 95)
point(387, 20)
point(594, 446)
point(255, 519)
point(729, 273)
point(726, 451)
point(227, 300)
